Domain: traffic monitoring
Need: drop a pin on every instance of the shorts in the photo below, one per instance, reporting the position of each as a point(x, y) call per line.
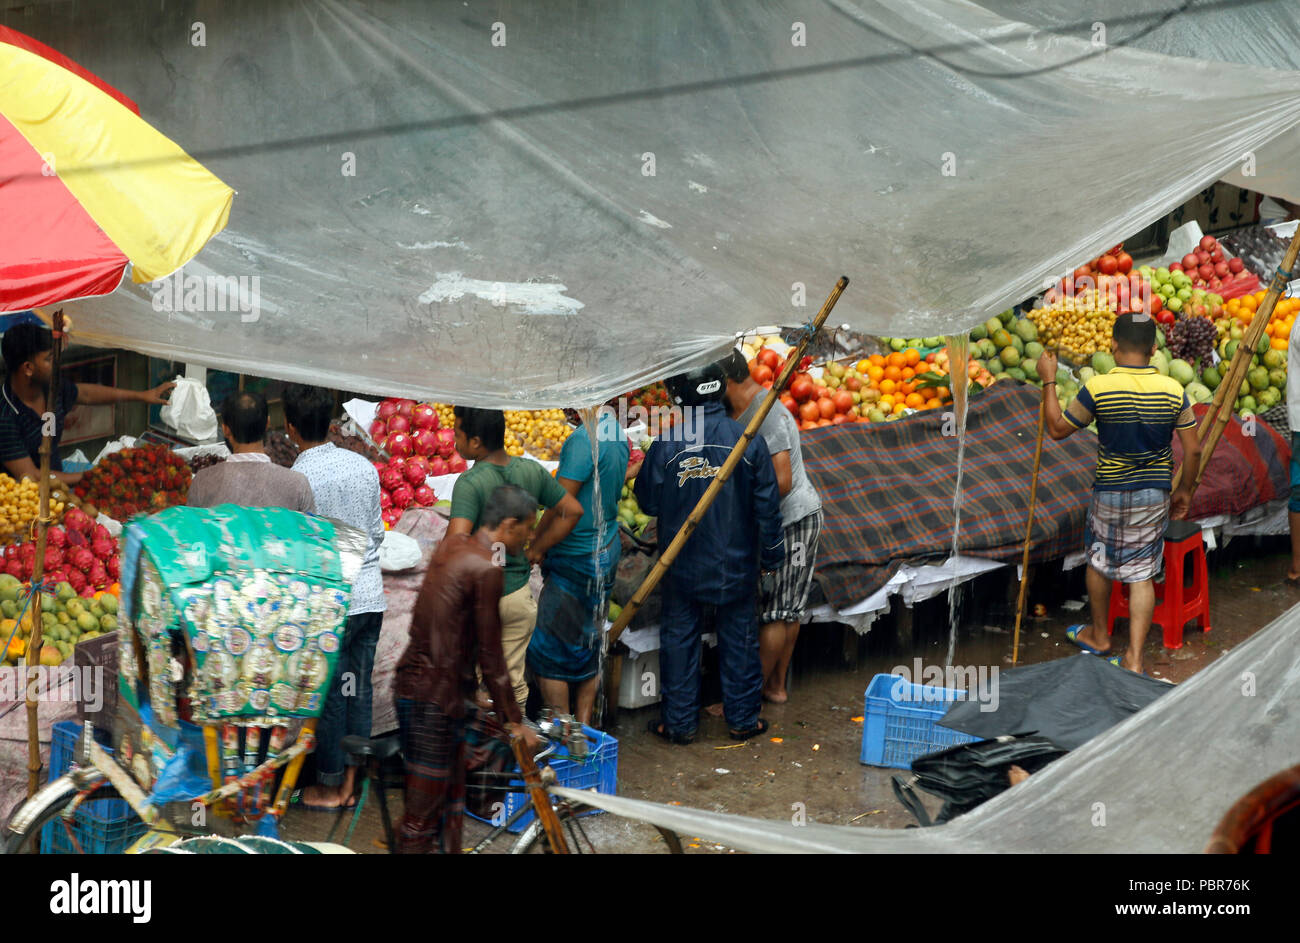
point(789, 594)
point(570, 616)
point(1294, 504)
point(1125, 534)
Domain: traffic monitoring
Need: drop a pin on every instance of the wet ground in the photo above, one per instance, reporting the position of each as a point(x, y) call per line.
point(809, 761)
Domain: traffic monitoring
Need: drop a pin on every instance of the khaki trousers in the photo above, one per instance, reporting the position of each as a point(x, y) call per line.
point(518, 617)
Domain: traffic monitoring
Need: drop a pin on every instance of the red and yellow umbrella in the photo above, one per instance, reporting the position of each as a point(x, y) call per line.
point(87, 186)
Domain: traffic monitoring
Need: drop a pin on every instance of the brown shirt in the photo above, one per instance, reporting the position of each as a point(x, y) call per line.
point(254, 484)
point(456, 627)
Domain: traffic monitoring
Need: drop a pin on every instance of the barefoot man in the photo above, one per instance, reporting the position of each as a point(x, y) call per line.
point(1137, 412)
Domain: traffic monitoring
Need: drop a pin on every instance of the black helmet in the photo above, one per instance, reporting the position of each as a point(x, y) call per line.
point(705, 384)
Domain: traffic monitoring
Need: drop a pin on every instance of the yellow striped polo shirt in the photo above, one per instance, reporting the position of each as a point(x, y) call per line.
point(1137, 410)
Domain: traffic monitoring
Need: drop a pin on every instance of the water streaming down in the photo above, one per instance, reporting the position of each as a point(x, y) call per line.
point(958, 355)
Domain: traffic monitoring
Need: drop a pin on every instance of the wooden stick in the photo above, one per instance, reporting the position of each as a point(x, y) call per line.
point(670, 553)
point(541, 798)
point(1029, 528)
point(1216, 420)
point(33, 654)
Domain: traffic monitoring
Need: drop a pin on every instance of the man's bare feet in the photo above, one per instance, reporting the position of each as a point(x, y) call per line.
point(775, 696)
point(1016, 774)
point(324, 797)
point(714, 710)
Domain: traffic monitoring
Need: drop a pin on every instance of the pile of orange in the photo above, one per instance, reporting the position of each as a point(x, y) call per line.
point(1279, 326)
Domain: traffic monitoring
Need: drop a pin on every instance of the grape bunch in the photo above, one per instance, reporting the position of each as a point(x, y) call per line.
point(1191, 338)
point(200, 462)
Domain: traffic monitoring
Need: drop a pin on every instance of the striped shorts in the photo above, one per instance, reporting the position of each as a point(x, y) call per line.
point(1125, 533)
point(794, 579)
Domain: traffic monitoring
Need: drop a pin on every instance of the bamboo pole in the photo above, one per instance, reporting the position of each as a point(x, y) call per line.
point(542, 807)
point(33, 654)
point(1029, 528)
point(1216, 420)
point(670, 553)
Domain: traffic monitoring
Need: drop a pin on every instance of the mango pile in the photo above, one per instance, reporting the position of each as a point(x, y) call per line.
point(66, 619)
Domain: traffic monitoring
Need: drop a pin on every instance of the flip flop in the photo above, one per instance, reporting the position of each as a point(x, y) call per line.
point(1118, 662)
point(760, 728)
point(1072, 633)
point(657, 728)
point(335, 809)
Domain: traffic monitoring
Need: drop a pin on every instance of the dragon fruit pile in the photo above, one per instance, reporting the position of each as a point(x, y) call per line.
point(405, 429)
point(80, 553)
point(402, 485)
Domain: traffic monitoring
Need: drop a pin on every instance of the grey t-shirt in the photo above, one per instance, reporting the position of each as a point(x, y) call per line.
point(782, 435)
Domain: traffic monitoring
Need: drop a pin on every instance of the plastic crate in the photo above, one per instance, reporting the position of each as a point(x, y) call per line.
point(101, 826)
point(901, 721)
point(600, 770)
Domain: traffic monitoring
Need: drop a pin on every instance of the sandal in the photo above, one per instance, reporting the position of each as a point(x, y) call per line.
point(1072, 633)
point(657, 728)
point(1118, 662)
point(760, 728)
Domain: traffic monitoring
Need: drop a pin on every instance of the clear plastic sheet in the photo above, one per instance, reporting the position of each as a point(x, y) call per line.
point(619, 188)
point(1160, 781)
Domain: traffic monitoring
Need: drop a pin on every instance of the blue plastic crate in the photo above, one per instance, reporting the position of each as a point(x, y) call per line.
point(600, 770)
point(101, 826)
point(901, 721)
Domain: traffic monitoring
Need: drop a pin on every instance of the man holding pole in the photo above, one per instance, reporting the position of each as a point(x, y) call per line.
point(714, 582)
point(1137, 412)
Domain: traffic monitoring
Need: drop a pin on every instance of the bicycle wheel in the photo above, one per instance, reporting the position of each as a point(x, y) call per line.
point(533, 841)
point(22, 834)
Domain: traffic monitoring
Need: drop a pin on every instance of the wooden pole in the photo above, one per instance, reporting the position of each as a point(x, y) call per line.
point(541, 798)
point(38, 572)
point(670, 553)
point(1216, 420)
point(1029, 528)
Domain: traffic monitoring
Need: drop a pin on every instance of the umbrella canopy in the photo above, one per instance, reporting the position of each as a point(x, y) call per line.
point(87, 186)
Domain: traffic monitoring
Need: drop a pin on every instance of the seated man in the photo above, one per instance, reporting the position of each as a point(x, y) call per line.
point(456, 628)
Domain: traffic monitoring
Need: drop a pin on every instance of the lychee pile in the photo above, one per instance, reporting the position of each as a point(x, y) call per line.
point(134, 481)
point(80, 553)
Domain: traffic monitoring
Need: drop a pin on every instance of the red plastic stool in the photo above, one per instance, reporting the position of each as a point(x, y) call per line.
point(1177, 603)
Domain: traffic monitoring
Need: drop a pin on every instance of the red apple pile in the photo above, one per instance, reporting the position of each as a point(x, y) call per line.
point(1210, 268)
point(1111, 275)
point(80, 553)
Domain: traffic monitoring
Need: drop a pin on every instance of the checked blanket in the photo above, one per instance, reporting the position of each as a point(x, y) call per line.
point(887, 490)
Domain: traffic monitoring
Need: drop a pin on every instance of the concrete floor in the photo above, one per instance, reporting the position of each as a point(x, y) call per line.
point(809, 761)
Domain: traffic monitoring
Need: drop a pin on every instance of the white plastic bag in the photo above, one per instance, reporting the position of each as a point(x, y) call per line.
point(398, 552)
point(116, 445)
point(189, 411)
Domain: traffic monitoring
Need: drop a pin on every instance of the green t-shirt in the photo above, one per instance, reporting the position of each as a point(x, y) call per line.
point(475, 486)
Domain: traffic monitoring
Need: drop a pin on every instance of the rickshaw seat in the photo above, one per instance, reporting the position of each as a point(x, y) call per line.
point(381, 748)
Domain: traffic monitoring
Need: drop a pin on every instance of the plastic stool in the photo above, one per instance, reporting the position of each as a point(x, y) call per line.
point(1176, 602)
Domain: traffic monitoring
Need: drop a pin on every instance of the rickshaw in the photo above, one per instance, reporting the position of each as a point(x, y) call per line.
point(230, 626)
point(232, 620)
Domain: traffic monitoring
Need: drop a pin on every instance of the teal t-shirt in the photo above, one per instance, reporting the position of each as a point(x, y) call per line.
point(576, 465)
point(475, 486)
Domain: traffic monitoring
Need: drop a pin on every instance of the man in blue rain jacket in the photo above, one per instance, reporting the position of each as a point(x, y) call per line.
point(713, 584)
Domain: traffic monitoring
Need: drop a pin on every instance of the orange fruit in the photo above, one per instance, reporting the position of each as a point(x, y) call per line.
point(913, 356)
point(1278, 343)
point(886, 402)
point(908, 373)
point(877, 360)
point(898, 408)
point(876, 373)
point(888, 386)
point(915, 400)
point(863, 366)
point(897, 359)
point(893, 373)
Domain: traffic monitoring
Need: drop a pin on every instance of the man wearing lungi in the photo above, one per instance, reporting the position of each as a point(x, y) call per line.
point(455, 629)
point(1137, 411)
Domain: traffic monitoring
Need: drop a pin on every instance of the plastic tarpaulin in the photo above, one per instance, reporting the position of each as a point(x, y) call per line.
point(1163, 778)
point(1264, 34)
point(549, 204)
